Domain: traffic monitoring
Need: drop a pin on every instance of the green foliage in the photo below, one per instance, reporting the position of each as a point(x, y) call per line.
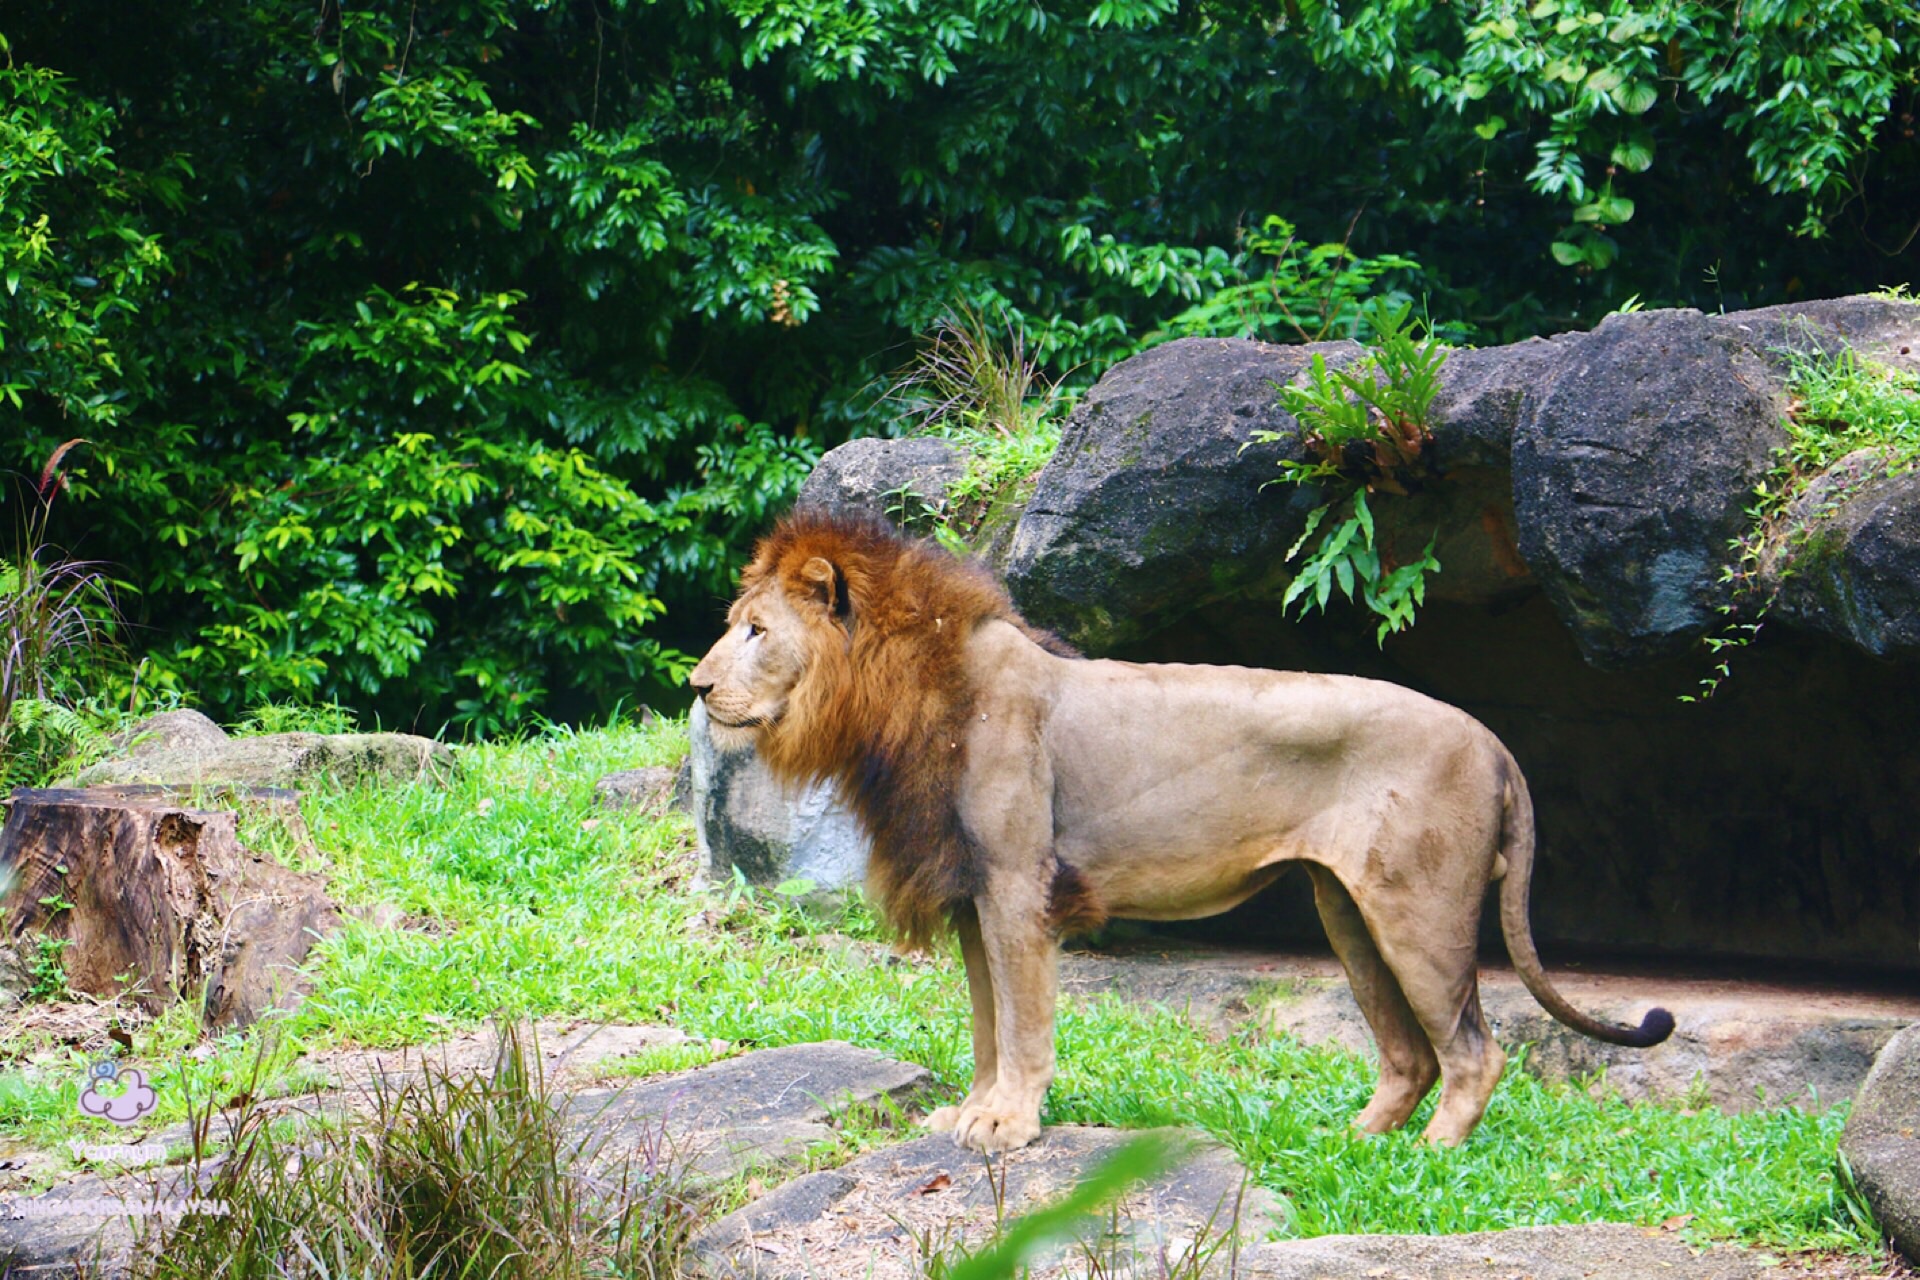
point(1362, 426)
point(1805, 85)
point(981, 391)
point(56, 647)
point(47, 969)
point(296, 717)
point(970, 382)
point(1304, 294)
point(1348, 557)
point(41, 739)
point(1842, 404)
point(444, 367)
point(1369, 419)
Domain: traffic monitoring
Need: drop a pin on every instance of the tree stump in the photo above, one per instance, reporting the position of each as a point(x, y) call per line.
point(158, 901)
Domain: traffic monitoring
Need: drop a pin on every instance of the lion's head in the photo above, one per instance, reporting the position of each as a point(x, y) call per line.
point(773, 641)
point(844, 658)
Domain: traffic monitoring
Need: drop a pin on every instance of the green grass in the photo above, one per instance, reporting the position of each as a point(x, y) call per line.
point(1843, 403)
point(539, 903)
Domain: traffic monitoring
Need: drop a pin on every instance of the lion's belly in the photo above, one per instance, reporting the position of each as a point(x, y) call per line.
point(1180, 792)
point(1184, 892)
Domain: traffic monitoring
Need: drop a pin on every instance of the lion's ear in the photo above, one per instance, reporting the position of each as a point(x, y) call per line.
point(828, 585)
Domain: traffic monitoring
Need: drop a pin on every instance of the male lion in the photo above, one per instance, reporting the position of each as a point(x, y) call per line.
point(1012, 790)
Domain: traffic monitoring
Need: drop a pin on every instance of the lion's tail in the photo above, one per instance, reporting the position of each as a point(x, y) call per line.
point(1517, 847)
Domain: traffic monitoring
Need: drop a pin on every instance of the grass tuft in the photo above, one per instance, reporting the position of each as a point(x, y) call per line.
point(453, 1176)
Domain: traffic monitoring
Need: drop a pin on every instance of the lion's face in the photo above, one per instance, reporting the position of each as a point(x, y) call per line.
point(748, 676)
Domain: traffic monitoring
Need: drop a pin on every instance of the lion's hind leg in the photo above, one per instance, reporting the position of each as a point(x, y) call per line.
point(1408, 1066)
point(1431, 947)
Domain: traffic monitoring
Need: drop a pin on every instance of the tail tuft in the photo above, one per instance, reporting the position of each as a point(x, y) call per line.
point(1654, 1028)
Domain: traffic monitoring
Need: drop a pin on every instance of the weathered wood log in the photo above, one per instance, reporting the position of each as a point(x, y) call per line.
point(158, 901)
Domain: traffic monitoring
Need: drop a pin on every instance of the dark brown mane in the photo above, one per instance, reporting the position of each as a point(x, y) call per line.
point(884, 705)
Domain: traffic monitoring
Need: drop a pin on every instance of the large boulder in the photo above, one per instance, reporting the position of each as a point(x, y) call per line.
point(745, 820)
point(1851, 568)
point(1882, 1141)
point(887, 479)
point(1158, 498)
point(1633, 467)
point(1588, 488)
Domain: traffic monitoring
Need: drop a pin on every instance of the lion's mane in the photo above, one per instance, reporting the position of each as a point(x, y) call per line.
point(884, 703)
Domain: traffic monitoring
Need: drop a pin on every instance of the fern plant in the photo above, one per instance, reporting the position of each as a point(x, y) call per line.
point(1365, 428)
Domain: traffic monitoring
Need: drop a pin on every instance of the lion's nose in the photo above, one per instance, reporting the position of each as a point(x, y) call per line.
point(701, 688)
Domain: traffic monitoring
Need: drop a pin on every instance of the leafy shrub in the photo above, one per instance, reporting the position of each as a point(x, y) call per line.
point(1304, 294)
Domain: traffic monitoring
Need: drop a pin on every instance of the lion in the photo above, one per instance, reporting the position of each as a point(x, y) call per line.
point(1013, 791)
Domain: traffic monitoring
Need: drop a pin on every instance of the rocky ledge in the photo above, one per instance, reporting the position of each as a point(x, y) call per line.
point(1588, 490)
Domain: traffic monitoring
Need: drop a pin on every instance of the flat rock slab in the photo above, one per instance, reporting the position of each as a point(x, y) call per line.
point(186, 748)
point(88, 1226)
point(764, 1108)
point(1737, 1045)
point(873, 1216)
point(1600, 1251)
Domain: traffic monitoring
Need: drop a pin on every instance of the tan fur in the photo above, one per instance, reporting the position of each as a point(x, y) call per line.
point(1012, 790)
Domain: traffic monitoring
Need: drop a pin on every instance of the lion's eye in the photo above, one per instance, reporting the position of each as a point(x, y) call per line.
point(755, 629)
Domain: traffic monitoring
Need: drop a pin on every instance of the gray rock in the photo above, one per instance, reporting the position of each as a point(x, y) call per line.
point(172, 731)
point(762, 1109)
point(1616, 1251)
point(88, 1226)
point(1852, 569)
point(1882, 1141)
point(879, 478)
point(655, 787)
point(280, 759)
point(1156, 501)
point(1876, 328)
point(869, 1210)
point(1483, 391)
point(1633, 466)
point(1613, 468)
point(744, 818)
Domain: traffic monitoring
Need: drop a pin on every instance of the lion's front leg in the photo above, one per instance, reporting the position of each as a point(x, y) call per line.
point(1021, 961)
point(985, 1050)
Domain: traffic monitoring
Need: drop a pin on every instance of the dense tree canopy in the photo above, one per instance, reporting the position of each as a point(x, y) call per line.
point(441, 357)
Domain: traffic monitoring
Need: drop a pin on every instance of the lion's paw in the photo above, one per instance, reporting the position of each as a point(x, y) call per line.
point(942, 1120)
point(988, 1129)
